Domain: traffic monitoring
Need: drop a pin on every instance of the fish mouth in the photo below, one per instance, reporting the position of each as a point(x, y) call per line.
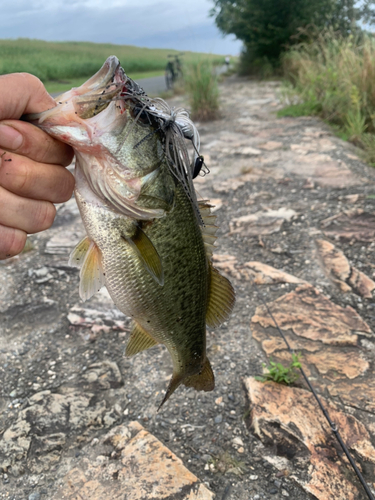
point(110, 72)
point(88, 100)
point(100, 90)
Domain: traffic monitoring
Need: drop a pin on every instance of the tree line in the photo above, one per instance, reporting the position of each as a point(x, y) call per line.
point(268, 28)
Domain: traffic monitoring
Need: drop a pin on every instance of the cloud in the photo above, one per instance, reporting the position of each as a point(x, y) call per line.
point(164, 23)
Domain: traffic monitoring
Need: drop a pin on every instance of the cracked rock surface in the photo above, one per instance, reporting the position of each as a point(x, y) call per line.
point(296, 215)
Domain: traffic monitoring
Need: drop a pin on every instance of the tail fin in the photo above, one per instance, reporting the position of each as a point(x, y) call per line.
point(202, 381)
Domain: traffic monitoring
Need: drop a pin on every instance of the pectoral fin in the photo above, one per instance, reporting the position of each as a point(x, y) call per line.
point(158, 190)
point(148, 254)
point(139, 341)
point(221, 299)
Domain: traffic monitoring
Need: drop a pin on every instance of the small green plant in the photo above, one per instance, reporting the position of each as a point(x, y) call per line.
point(202, 88)
point(280, 373)
point(355, 125)
point(299, 109)
point(226, 464)
point(368, 142)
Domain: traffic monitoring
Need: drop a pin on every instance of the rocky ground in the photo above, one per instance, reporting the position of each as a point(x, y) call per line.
point(78, 420)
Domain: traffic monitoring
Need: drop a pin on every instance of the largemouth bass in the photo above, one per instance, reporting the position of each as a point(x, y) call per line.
point(149, 240)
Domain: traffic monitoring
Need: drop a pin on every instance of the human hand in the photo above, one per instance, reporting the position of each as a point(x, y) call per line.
point(32, 173)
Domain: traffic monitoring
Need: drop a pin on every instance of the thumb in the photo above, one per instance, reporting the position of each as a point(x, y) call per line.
point(22, 93)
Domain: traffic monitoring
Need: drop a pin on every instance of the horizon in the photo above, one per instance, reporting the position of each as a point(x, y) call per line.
point(109, 43)
point(162, 24)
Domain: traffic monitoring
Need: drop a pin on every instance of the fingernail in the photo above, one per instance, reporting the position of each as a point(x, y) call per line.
point(10, 138)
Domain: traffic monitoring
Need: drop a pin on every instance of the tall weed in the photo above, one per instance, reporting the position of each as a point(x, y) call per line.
point(201, 84)
point(335, 75)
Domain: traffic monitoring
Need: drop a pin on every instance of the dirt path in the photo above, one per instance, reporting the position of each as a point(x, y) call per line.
point(296, 210)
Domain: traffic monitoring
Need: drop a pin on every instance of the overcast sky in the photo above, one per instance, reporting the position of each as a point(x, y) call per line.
point(174, 24)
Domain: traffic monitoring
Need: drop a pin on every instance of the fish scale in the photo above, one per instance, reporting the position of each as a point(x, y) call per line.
point(185, 292)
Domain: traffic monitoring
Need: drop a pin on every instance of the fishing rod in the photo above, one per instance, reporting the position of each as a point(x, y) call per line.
point(332, 425)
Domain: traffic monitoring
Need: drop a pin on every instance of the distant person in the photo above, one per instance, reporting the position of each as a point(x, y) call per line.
point(227, 62)
point(170, 74)
point(170, 68)
point(32, 173)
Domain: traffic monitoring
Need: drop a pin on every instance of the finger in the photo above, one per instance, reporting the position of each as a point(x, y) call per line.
point(22, 93)
point(39, 181)
point(12, 242)
point(27, 140)
point(28, 215)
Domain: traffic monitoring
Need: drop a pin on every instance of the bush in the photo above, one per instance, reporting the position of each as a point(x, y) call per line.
point(335, 76)
point(202, 87)
point(260, 67)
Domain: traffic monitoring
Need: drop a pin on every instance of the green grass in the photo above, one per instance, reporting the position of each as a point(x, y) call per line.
point(300, 109)
point(74, 62)
point(333, 77)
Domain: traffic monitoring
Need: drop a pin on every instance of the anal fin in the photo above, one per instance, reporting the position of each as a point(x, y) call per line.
point(148, 254)
point(139, 341)
point(221, 299)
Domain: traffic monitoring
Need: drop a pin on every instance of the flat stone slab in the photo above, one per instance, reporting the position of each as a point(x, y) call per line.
point(261, 223)
point(130, 463)
point(354, 225)
point(341, 272)
point(258, 272)
point(298, 440)
point(328, 337)
point(264, 274)
point(312, 316)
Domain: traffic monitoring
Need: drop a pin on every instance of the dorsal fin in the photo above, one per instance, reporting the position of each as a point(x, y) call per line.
point(139, 340)
point(91, 276)
point(208, 228)
point(221, 299)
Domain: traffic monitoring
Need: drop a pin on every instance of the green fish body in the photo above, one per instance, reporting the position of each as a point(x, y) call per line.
point(145, 240)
